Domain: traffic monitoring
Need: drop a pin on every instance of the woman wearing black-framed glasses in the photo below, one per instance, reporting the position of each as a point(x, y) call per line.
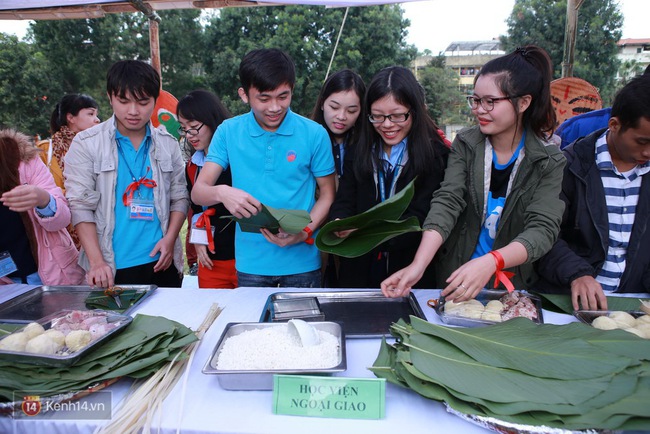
point(200, 113)
point(499, 207)
point(399, 141)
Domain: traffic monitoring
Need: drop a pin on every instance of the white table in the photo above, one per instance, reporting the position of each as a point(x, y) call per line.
point(210, 409)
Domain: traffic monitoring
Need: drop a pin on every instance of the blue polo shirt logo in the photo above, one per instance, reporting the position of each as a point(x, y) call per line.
point(291, 156)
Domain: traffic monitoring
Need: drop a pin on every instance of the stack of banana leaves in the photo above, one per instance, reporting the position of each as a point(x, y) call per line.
point(147, 344)
point(571, 376)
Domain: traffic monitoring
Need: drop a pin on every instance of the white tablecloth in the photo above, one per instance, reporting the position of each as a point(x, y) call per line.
point(210, 409)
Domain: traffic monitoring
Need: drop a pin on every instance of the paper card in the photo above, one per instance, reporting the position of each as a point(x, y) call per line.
point(329, 397)
point(200, 235)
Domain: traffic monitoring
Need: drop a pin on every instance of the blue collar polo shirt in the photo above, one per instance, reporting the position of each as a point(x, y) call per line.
point(136, 233)
point(279, 169)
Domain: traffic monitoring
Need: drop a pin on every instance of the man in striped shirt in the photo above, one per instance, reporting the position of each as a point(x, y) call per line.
point(604, 239)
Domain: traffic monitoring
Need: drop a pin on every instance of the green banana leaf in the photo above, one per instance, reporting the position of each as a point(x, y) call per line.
point(372, 227)
point(562, 303)
point(292, 221)
point(146, 345)
point(569, 359)
point(502, 372)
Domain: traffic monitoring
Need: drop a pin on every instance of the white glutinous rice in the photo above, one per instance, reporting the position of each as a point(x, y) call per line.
point(274, 348)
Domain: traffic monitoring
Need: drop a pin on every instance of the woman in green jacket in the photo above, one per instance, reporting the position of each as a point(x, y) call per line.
point(499, 204)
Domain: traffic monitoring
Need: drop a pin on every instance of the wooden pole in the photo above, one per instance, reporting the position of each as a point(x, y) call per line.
point(154, 43)
point(154, 46)
point(570, 32)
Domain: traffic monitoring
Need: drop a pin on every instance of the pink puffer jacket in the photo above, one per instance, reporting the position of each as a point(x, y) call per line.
point(57, 254)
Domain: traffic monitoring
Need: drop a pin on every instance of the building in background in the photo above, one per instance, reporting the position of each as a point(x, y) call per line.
point(634, 55)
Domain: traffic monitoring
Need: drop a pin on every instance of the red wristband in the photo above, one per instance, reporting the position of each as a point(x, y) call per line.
point(502, 276)
point(310, 233)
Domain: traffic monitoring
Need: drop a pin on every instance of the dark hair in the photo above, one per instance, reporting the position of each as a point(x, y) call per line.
point(526, 71)
point(404, 87)
point(72, 103)
point(341, 81)
point(203, 106)
point(134, 76)
point(266, 69)
point(632, 102)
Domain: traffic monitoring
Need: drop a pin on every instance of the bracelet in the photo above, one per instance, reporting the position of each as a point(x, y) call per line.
point(500, 275)
point(310, 233)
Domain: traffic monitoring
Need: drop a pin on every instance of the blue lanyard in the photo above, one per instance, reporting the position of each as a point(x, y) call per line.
point(382, 179)
point(144, 161)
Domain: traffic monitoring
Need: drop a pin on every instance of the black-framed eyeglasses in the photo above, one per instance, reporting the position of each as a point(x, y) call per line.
point(190, 131)
point(486, 102)
point(395, 118)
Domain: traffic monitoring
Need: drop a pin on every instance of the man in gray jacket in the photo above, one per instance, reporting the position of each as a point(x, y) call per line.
point(125, 182)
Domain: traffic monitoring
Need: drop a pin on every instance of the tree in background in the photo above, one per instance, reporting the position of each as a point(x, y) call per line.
point(73, 55)
point(445, 102)
point(373, 38)
point(542, 22)
point(26, 87)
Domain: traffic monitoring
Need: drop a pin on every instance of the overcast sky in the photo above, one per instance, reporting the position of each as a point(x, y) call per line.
point(437, 23)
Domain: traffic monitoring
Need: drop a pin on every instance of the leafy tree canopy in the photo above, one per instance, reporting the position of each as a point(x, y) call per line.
point(372, 38)
point(542, 22)
point(73, 55)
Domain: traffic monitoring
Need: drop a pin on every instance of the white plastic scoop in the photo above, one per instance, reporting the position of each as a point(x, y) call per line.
point(305, 332)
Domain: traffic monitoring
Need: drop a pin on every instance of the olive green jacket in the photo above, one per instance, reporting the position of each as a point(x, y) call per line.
point(532, 213)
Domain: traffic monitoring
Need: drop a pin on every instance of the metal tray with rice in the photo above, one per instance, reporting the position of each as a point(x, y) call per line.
point(484, 297)
point(101, 326)
point(262, 379)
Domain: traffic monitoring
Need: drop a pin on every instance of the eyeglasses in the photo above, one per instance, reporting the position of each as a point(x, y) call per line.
point(190, 131)
point(395, 118)
point(486, 103)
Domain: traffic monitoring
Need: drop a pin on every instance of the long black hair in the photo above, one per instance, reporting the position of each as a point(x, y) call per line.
point(342, 81)
point(405, 89)
point(526, 71)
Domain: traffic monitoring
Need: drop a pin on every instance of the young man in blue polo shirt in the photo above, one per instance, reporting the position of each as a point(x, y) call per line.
point(125, 182)
point(604, 238)
point(277, 158)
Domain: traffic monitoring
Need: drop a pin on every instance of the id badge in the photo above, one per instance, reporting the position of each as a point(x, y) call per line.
point(141, 209)
point(200, 235)
point(7, 265)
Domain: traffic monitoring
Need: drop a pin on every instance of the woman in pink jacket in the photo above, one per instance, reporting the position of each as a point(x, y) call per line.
point(35, 247)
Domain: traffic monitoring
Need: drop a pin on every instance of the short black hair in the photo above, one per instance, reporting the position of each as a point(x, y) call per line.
point(632, 102)
point(203, 106)
point(135, 77)
point(266, 69)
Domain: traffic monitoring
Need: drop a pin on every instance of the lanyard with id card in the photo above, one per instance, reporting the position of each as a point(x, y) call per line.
point(202, 232)
point(138, 208)
point(7, 264)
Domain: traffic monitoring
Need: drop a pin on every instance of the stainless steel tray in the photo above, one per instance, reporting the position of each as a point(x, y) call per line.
point(484, 297)
point(263, 379)
point(66, 359)
point(45, 300)
point(588, 316)
point(363, 314)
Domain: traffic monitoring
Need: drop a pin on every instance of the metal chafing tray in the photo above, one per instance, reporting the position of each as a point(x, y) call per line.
point(67, 358)
point(45, 300)
point(262, 379)
point(363, 314)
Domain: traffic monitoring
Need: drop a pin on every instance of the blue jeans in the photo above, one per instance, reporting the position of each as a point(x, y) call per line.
point(310, 279)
